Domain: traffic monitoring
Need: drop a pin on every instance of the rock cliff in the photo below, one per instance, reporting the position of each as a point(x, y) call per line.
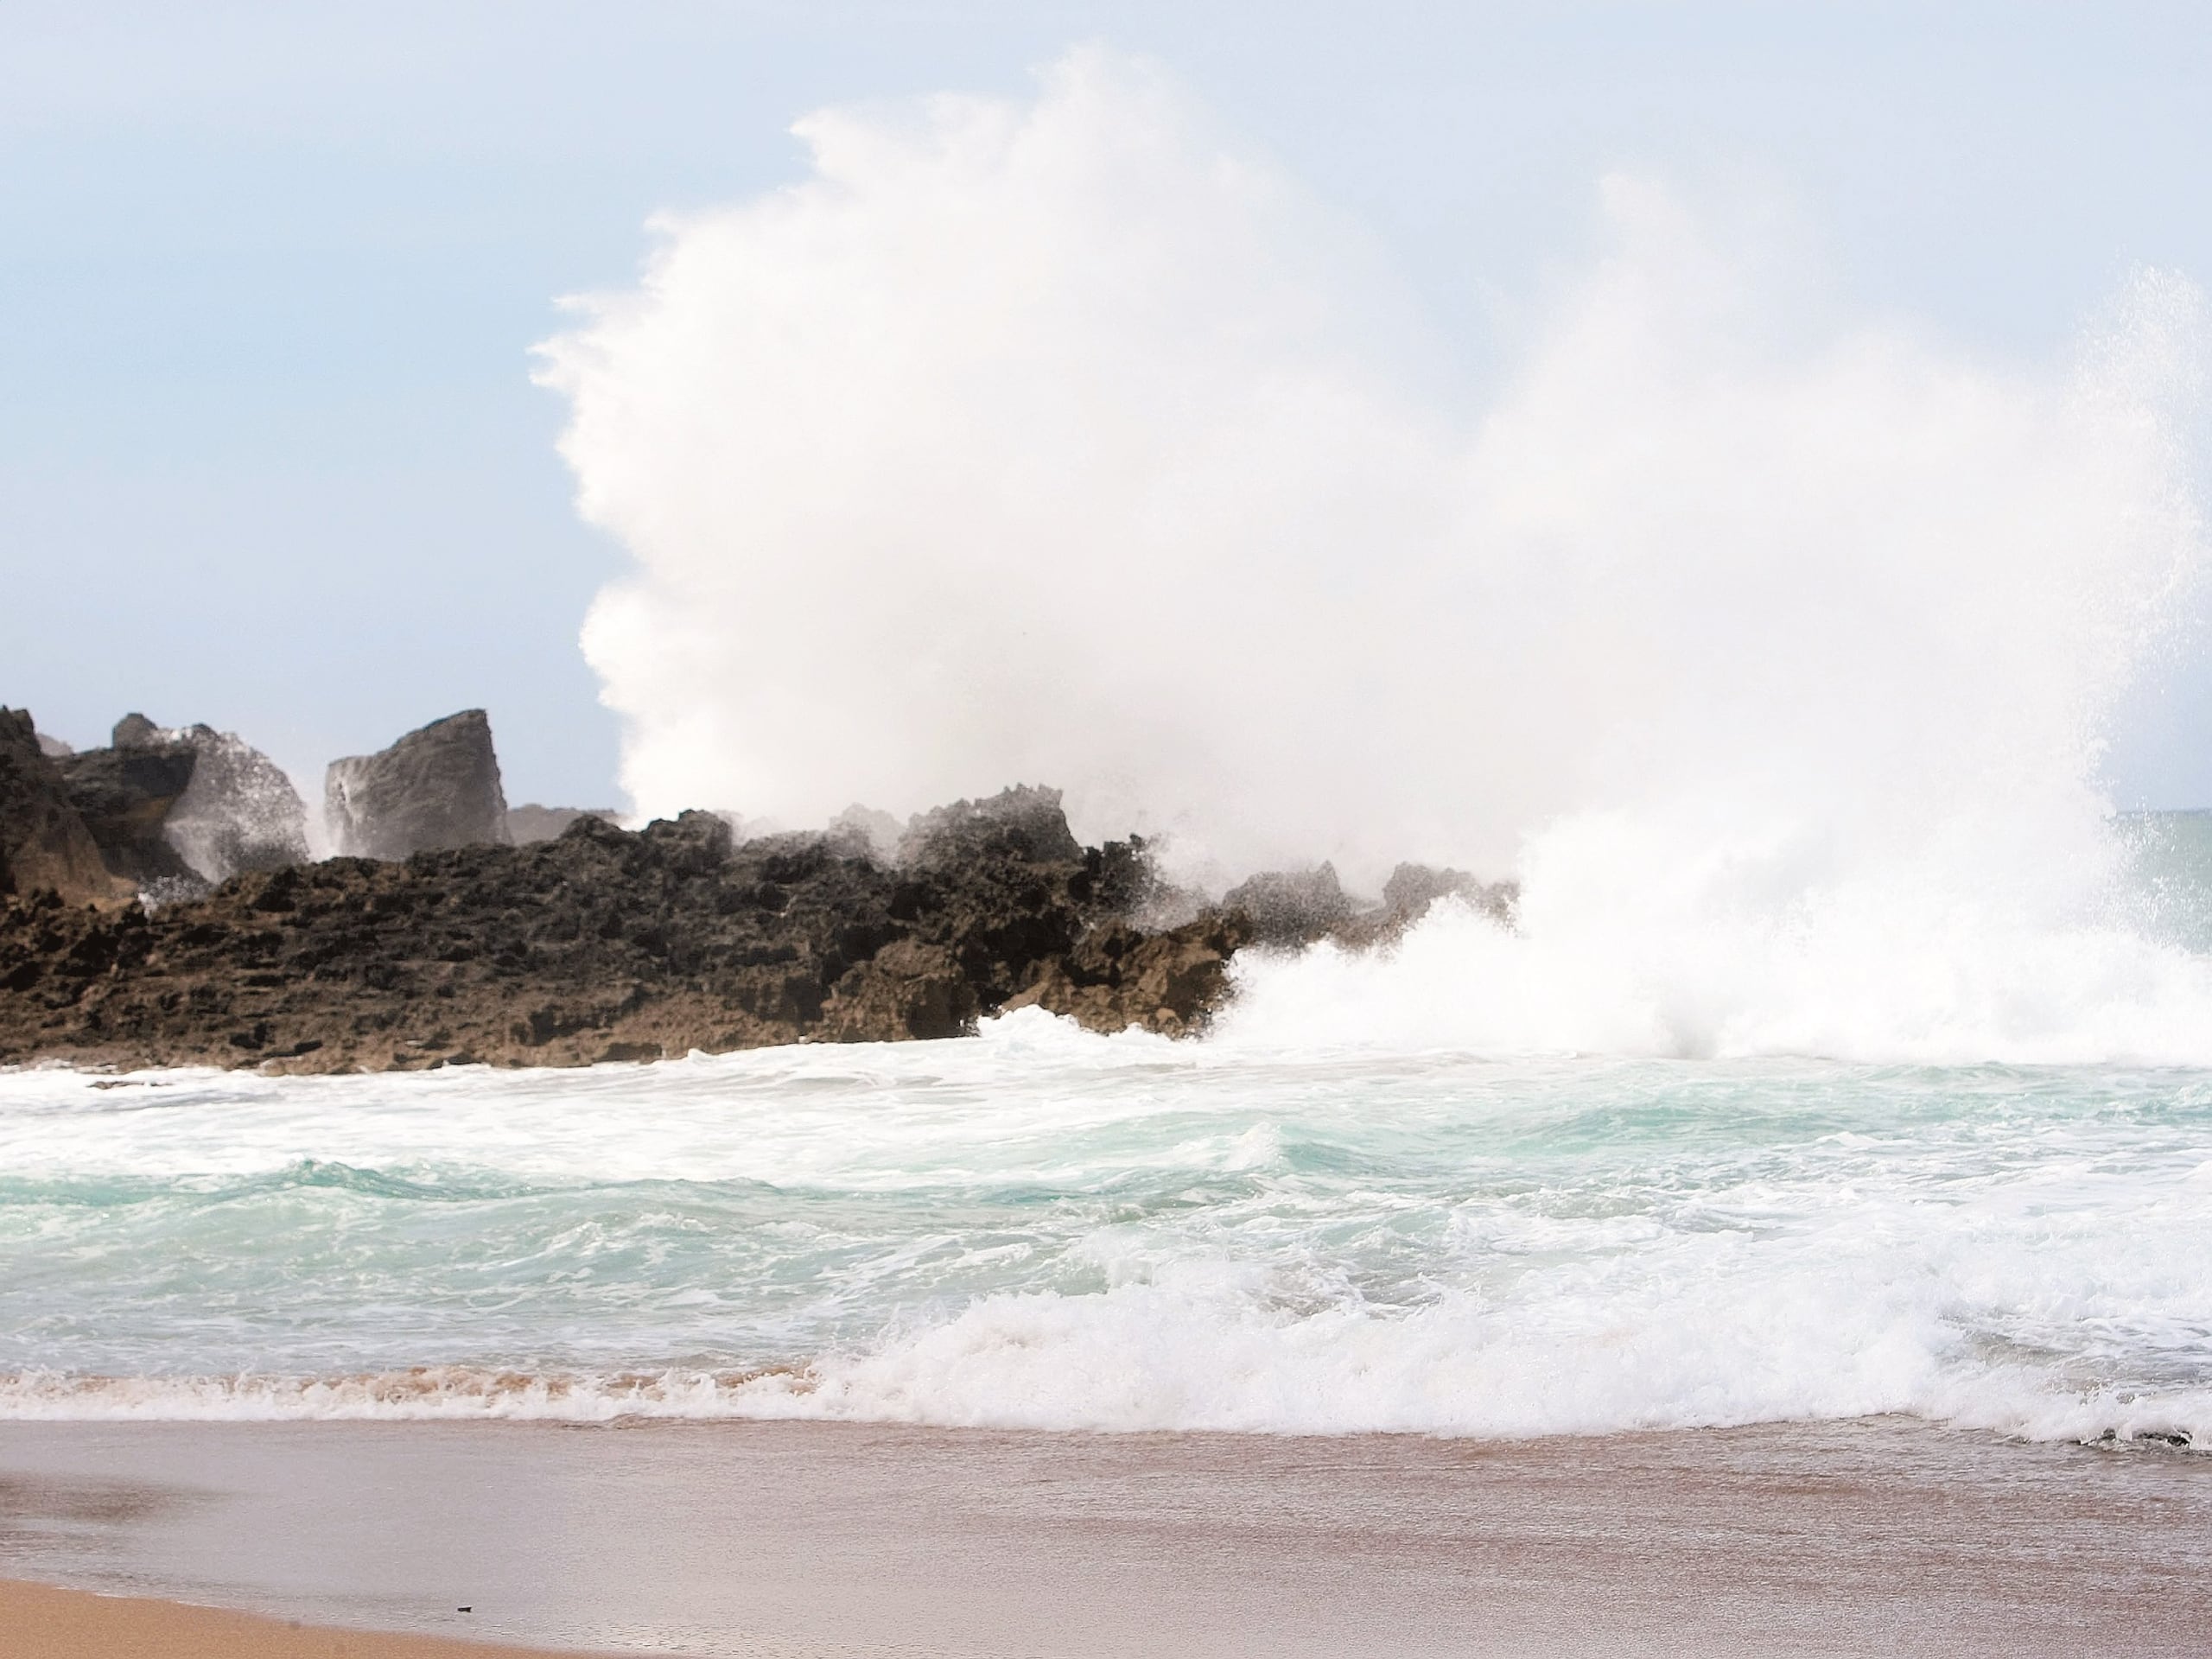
point(174, 811)
point(44, 843)
point(435, 789)
point(125, 793)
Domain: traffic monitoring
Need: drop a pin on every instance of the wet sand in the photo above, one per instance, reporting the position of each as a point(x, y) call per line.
point(792, 1540)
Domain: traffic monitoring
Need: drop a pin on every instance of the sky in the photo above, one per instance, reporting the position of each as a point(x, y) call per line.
point(270, 453)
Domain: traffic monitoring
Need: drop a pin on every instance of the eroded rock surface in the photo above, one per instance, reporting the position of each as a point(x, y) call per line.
point(435, 789)
point(125, 793)
point(607, 944)
point(175, 811)
point(44, 843)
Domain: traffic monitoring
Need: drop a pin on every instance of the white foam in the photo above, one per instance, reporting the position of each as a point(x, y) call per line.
point(1047, 1229)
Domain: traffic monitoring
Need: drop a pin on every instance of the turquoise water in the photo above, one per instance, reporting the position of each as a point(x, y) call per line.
point(1043, 1228)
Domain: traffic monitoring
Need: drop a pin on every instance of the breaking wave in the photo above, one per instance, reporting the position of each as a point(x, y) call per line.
point(1043, 1228)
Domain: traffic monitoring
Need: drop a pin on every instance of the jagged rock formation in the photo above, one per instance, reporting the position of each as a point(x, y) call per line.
point(175, 811)
point(125, 793)
point(238, 813)
point(597, 944)
point(44, 844)
point(610, 945)
point(532, 823)
point(435, 789)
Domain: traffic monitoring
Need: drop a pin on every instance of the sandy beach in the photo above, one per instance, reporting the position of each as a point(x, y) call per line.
point(793, 1540)
point(38, 1621)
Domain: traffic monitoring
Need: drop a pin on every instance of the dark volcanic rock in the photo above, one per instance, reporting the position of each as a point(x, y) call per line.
point(435, 789)
point(610, 945)
point(175, 811)
point(908, 989)
point(1119, 975)
point(1022, 823)
point(125, 794)
point(44, 844)
point(531, 822)
point(135, 731)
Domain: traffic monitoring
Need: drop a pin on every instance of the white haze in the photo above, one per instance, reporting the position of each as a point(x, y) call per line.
point(1063, 441)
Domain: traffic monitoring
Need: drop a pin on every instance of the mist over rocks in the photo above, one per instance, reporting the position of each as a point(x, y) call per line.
point(1292, 908)
point(876, 830)
point(1288, 910)
point(238, 812)
point(435, 789)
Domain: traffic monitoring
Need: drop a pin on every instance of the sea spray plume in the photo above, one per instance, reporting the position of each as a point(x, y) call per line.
point(1050, 440)
point(1852, 808)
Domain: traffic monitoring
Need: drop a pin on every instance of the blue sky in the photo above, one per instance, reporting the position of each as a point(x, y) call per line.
point(269, 454)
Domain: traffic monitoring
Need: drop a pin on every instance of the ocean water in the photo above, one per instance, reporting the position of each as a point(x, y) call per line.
point(1042, 1228)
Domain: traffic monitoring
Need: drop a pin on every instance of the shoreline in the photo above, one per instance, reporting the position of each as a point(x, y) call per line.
point(45, 1621)
point(797, 1539)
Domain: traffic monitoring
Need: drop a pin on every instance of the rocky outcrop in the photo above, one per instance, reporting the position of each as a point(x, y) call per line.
point(607, 944)
point(531, 822)
point(596, 943)
point(1118, 975)
point(125, 794)
point(1023, 823)
point(435, 789)
point(175, 811)
point(908, 989)
point(45, 846)
point(239, 812)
